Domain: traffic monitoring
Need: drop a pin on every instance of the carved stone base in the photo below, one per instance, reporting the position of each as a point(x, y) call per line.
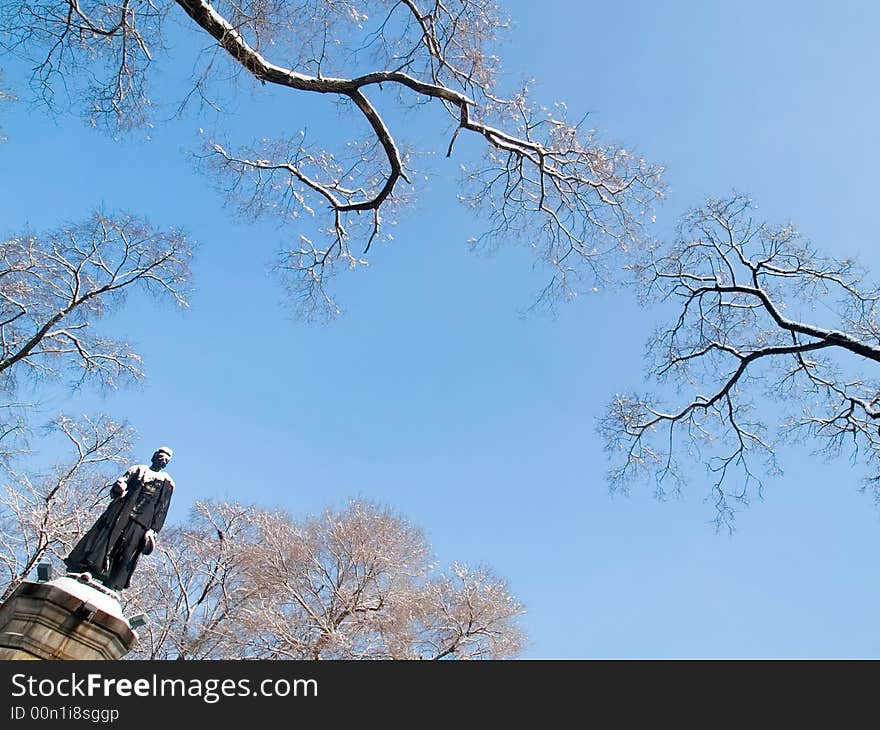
point(63, 619)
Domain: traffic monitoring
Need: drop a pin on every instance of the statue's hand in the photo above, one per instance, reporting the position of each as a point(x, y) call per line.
point(117, 490)
point(149, 541)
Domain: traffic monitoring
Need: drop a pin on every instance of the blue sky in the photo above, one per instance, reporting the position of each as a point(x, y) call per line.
point(432, 395)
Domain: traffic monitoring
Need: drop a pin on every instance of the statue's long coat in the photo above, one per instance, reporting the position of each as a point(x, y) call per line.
point(111, 548)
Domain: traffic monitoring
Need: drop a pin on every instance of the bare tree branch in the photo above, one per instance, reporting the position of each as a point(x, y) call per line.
point(53, 287)
point(749, 331)
point(108, 43)
point(544, 180)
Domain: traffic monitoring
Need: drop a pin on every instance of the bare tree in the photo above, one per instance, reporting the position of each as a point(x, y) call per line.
point(356, 583)
point(53, 287)
point(544, 180)
point(763, 329)
point(41, 516)
point(195, 586)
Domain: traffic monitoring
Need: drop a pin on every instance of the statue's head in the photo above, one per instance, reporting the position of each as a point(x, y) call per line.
point(161, 457)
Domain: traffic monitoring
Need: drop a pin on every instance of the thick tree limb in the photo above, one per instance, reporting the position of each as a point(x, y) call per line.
point(543, 180)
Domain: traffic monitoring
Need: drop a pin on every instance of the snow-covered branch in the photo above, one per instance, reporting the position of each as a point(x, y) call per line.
point(543, 180)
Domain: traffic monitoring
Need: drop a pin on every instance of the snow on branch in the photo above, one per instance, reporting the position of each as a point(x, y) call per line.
point(544, 180)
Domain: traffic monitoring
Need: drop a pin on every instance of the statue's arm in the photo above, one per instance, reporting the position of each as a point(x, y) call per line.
point(162, 508)
point(120, 487)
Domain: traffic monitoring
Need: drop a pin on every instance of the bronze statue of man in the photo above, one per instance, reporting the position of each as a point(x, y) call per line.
point(109, 551)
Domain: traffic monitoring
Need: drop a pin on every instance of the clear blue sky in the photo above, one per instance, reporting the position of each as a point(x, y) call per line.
point(433, 396)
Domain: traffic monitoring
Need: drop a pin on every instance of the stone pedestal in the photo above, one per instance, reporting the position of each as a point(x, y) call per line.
point(63, 619)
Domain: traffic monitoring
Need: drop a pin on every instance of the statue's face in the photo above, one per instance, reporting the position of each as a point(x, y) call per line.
point(160, 459)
